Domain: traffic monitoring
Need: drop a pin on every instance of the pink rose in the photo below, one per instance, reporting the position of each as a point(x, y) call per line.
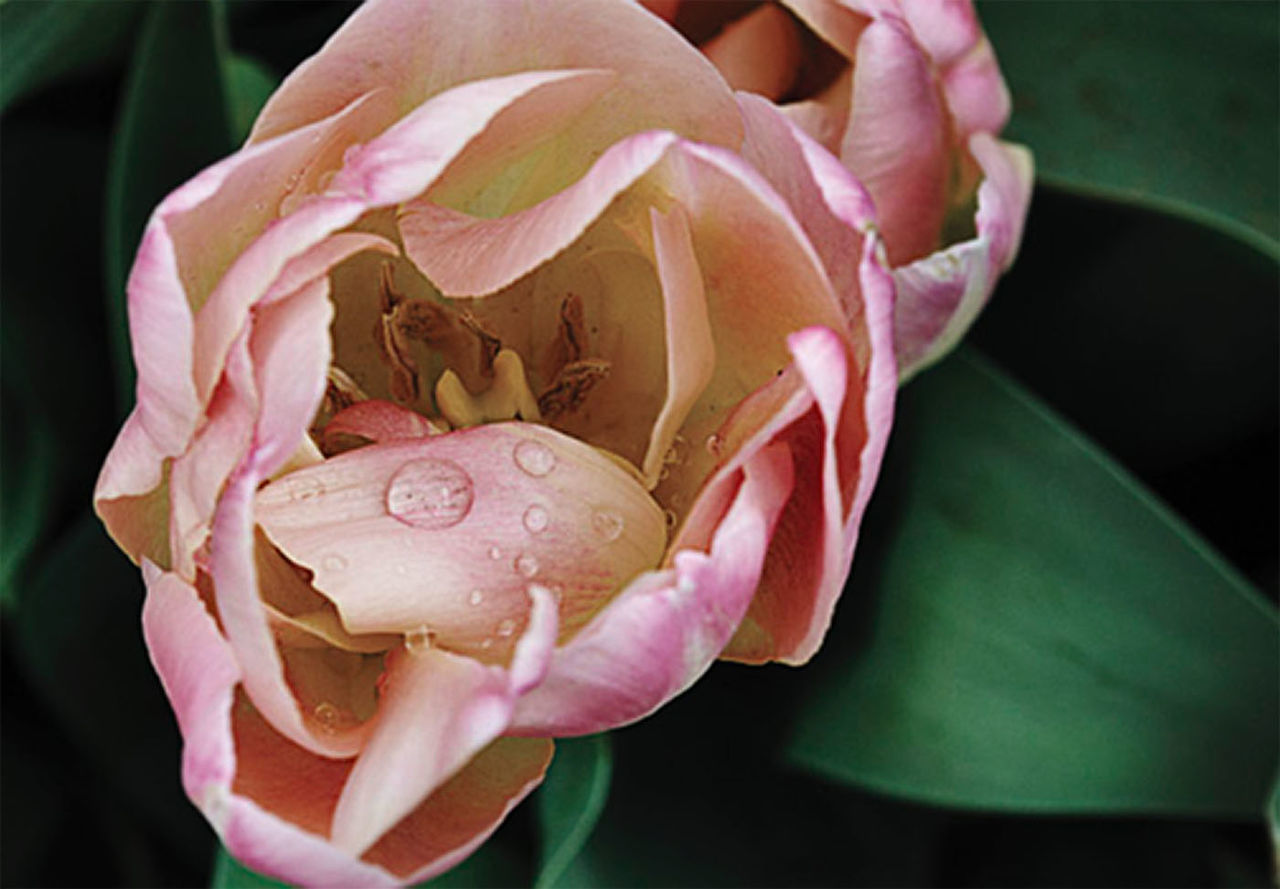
point(510, 374)
point(908, 95)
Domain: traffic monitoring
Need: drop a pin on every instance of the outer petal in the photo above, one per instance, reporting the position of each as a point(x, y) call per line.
point(940, 296)
point(663, 631)
point(421, 48)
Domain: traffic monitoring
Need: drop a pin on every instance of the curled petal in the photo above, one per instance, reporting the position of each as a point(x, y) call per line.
point(759, 53)
point(663, 631)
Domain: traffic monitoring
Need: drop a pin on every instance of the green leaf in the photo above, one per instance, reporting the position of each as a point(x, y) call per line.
point(248, 85)
point(45, 40)
point(231, 874)
point(173, 123)
point(1167, 102)
point(1046, 636)
point(570, 802)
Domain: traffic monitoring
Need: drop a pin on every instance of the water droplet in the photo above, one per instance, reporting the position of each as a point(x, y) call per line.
point(715, 445)
point(486, 643)
point(607, 524)
point(506, 627)
point(527, 565)
point(670, 518)
point(430, 494)
point(495, 553)
point(333, 562)
point(535, 458)
point(535, 519)
point(418, 641)
point(328, 716)
point(476, 597)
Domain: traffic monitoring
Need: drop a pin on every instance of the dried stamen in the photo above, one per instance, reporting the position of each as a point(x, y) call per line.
point(570, 386)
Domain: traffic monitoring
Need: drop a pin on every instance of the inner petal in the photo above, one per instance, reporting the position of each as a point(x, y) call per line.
point(443, 535)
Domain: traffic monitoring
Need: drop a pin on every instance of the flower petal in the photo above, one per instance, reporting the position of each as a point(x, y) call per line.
point(691, 350)
point(758, 53)
point(418, 48)
point(663, 631)
point(482, 512)
point(896, 141)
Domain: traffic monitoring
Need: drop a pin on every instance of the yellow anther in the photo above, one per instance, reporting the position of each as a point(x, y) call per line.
point(507, 397)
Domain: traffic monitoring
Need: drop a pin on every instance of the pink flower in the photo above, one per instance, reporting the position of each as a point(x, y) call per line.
point(510, 374)
point(908, 95)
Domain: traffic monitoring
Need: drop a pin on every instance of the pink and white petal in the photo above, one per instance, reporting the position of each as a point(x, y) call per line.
point(468, 256)
point(897, 139)
point(759, 53)
point(449, 531)
point(941, 295)
point(976, 94)
point(664, 630)
point(464, 812)
point(380, 421)
point(317, 261)
point(947, 29)
point(418, 49)
point(691, 349)
point(1004, 196)
point(436, 711)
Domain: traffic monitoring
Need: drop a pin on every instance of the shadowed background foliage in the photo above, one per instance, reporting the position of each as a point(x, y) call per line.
point(1055, 662)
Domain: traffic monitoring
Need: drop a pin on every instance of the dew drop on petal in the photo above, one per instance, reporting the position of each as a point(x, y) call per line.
point(715, 445)
point(527, 565)
point(535, 519)
point(328, 716)
point(486, 643)
point(333, 562)
point(608, 525)
point(418, 641)
point(476, 597)
point(495, 553)
point(506, 627)
point(534, 458)
point(430, 494)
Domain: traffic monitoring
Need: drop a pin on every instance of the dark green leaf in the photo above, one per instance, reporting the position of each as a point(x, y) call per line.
point(570, 802)
point(1171, 102)
point(45, 40)
point(173, 123)
point(248, 86)
point(1047, 636)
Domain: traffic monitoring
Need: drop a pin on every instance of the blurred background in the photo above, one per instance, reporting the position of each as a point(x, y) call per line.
point(1051, 666)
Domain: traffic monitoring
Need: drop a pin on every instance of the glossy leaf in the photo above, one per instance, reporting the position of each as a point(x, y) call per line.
point(1172, 103)
point(44, 41)
point(570, 802)
point(176, 67)
point(1042, 634)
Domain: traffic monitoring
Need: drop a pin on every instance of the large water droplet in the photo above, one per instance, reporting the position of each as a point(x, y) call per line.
point(430, 493)
point(607, 524)
point(535, 458)
point(328, 716)
point(476, 597)
point(535, 519)
point(506, 627)
point(418, 641)
point(333, 562)
point(527, 565)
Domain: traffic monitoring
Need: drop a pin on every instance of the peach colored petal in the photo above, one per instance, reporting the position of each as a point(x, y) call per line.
point(837, 23)
point(483, 513)
point(896, 141)
point(758, 53)
point(418, 48)
point(691, 350)
point(663, 631)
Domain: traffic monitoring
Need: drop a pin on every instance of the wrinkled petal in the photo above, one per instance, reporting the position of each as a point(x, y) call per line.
point(665, 629)
point(483, 512)
point(896, 142)
point(759, 53)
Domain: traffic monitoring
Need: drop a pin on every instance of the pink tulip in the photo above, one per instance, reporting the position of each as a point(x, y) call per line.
point(908, 95)
point(511, 373)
